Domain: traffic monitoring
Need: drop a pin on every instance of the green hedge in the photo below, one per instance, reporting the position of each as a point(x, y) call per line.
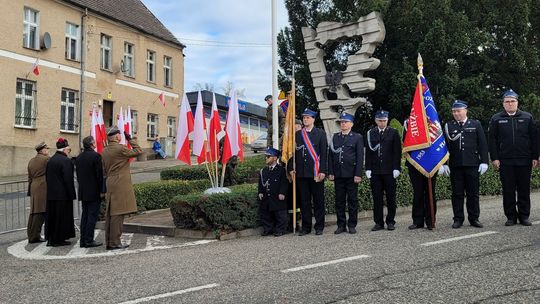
point(238, 210)
point(245, 171)
point(157, 195)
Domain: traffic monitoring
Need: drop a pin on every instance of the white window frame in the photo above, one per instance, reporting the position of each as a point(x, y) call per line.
point(129, 70)
point(135, 122)
point(167, 71)
point(26, 118)
point(106, 52)
point(28, 24)
point(69, 100)
point(72, 38)
point(152, 124)
point(171, 126)
point(150, 66)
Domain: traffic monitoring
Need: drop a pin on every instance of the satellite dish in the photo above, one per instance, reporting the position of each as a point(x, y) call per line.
point(46, 41)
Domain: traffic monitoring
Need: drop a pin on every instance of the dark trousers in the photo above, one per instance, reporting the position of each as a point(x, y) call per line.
point(420, 209)
point(35, 222)
point(346, 190)
point(516, 179)
point(274, 221)
point(383, 183)
point(113, 229)
point(310, 190)
point(89, 216)
point(465, 181)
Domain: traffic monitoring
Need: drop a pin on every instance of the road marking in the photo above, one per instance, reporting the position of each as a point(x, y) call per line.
point(357, 257)
point(126, 238)
point(536, 223)
point(459, 238)
point(39, 253)
point(170, 294)
point(154, 241)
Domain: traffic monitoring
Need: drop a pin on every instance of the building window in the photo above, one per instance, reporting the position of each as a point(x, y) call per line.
point(129, 54)
point(31, 28)
point(25, 104)
point(152, 125)
point(106, 52)
point(167, 71)
point(150, 66)
point(134, 122)
point(171, 126)
point(72, 41)
point(68, 111)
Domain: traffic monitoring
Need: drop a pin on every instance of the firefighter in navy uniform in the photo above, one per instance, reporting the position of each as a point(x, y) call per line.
point(383, 166)
point(273, 186)
point(467, 146)
point(345, 164)
point(311, 163)
point(513, 150)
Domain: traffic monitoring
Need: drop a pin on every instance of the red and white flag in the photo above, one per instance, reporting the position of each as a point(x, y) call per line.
point(162, 98)
point(101, 124)
point(232, 145)
point(127, 125)
point(95, 131)
point(199, 132)
point(213, 130)
point(35, 67)
point(185, 127)
point(121, 126)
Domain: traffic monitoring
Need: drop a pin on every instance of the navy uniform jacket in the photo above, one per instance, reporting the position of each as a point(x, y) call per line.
point(304, 162)
point(272, 183)
point(467, 145)
point(513, 139)
point(89, 175)
point(346, 155)
point(383, 153)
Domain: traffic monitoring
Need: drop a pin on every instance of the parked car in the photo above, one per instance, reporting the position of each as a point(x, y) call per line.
point(259, 144)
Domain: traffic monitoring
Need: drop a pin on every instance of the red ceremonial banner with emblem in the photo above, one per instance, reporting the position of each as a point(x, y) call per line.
point(417, 136)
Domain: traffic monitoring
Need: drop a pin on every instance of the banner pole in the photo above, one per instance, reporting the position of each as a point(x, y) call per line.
point(431, 203)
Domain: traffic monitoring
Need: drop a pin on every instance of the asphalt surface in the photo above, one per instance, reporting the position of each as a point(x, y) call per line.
point(496, 264)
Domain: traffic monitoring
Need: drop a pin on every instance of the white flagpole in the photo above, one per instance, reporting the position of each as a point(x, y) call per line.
point(275, 119)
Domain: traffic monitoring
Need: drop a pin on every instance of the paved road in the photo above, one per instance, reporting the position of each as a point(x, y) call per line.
point(495, 264)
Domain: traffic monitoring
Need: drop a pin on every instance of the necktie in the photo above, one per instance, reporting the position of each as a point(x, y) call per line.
point(461, 124)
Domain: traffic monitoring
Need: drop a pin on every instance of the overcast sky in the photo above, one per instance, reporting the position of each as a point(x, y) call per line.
point(196, 22)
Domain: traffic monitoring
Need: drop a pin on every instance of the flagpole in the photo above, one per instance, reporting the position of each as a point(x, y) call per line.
point(292, 107)
point(420, 64)
point(275, 118)
point(223, 173)
point(216, 148)
point(209, 174)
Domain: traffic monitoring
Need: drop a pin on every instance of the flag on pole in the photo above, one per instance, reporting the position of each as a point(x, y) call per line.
point(121, 125)
point(35, 67)
point(289, 130)
point(127, 126)
point(95, 131)
point(213, 130)
point(185, 127)
point(101, 124)
point(232, 145)
point(199, 132)
point(424, 145)
point(162, 98)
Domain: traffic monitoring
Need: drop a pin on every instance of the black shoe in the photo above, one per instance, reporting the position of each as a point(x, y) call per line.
point(377, 227)
point(457, 224)
point(277, 234)
point(414, 226)
point(92, 244)
point(477, 224)
point(318, 232)
point(391, 227)
point(525, 222)
point(510, 223)
point(340, 230)
point(266, 233)
point(303, 232)
point(40, 240)
point(58, 244)
point(352, 230)
point(117, 247)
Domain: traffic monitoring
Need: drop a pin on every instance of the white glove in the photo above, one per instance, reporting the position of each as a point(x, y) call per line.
point(444, 170)
point(368, 174)
point(482, 168)
point(396, 173)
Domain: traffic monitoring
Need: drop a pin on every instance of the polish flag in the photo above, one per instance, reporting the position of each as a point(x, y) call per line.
point(127, 125)
point(101, 124)
point(35, 67)
point(185, 127)
point(213, 131)
point(95, 131)
point(162, 98)
point(121, 126)
point(199, 132)
point(232, 144)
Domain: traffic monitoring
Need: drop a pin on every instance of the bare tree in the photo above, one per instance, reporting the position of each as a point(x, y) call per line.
point(229, 86)
point(204, 87)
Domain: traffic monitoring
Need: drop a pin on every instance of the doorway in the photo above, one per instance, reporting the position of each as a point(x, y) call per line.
point(108, 113)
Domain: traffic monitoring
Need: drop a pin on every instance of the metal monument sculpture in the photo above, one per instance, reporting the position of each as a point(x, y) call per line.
point(336, 84)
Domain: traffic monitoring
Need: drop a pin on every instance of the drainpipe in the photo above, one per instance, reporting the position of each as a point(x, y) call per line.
point(83, 84)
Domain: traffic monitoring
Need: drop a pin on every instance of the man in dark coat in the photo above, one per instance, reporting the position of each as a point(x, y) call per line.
point(383, 166)
point(345, 164)
point(273, 185)
point(311, 162)
point(37, 189)
point(513, 150)
point(59, 224)
point(467, 146)
point(91, 190)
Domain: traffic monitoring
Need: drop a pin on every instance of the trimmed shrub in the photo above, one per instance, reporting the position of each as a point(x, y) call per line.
point(157, 195)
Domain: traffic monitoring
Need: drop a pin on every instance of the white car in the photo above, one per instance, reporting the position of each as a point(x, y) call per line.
point(259, 144)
